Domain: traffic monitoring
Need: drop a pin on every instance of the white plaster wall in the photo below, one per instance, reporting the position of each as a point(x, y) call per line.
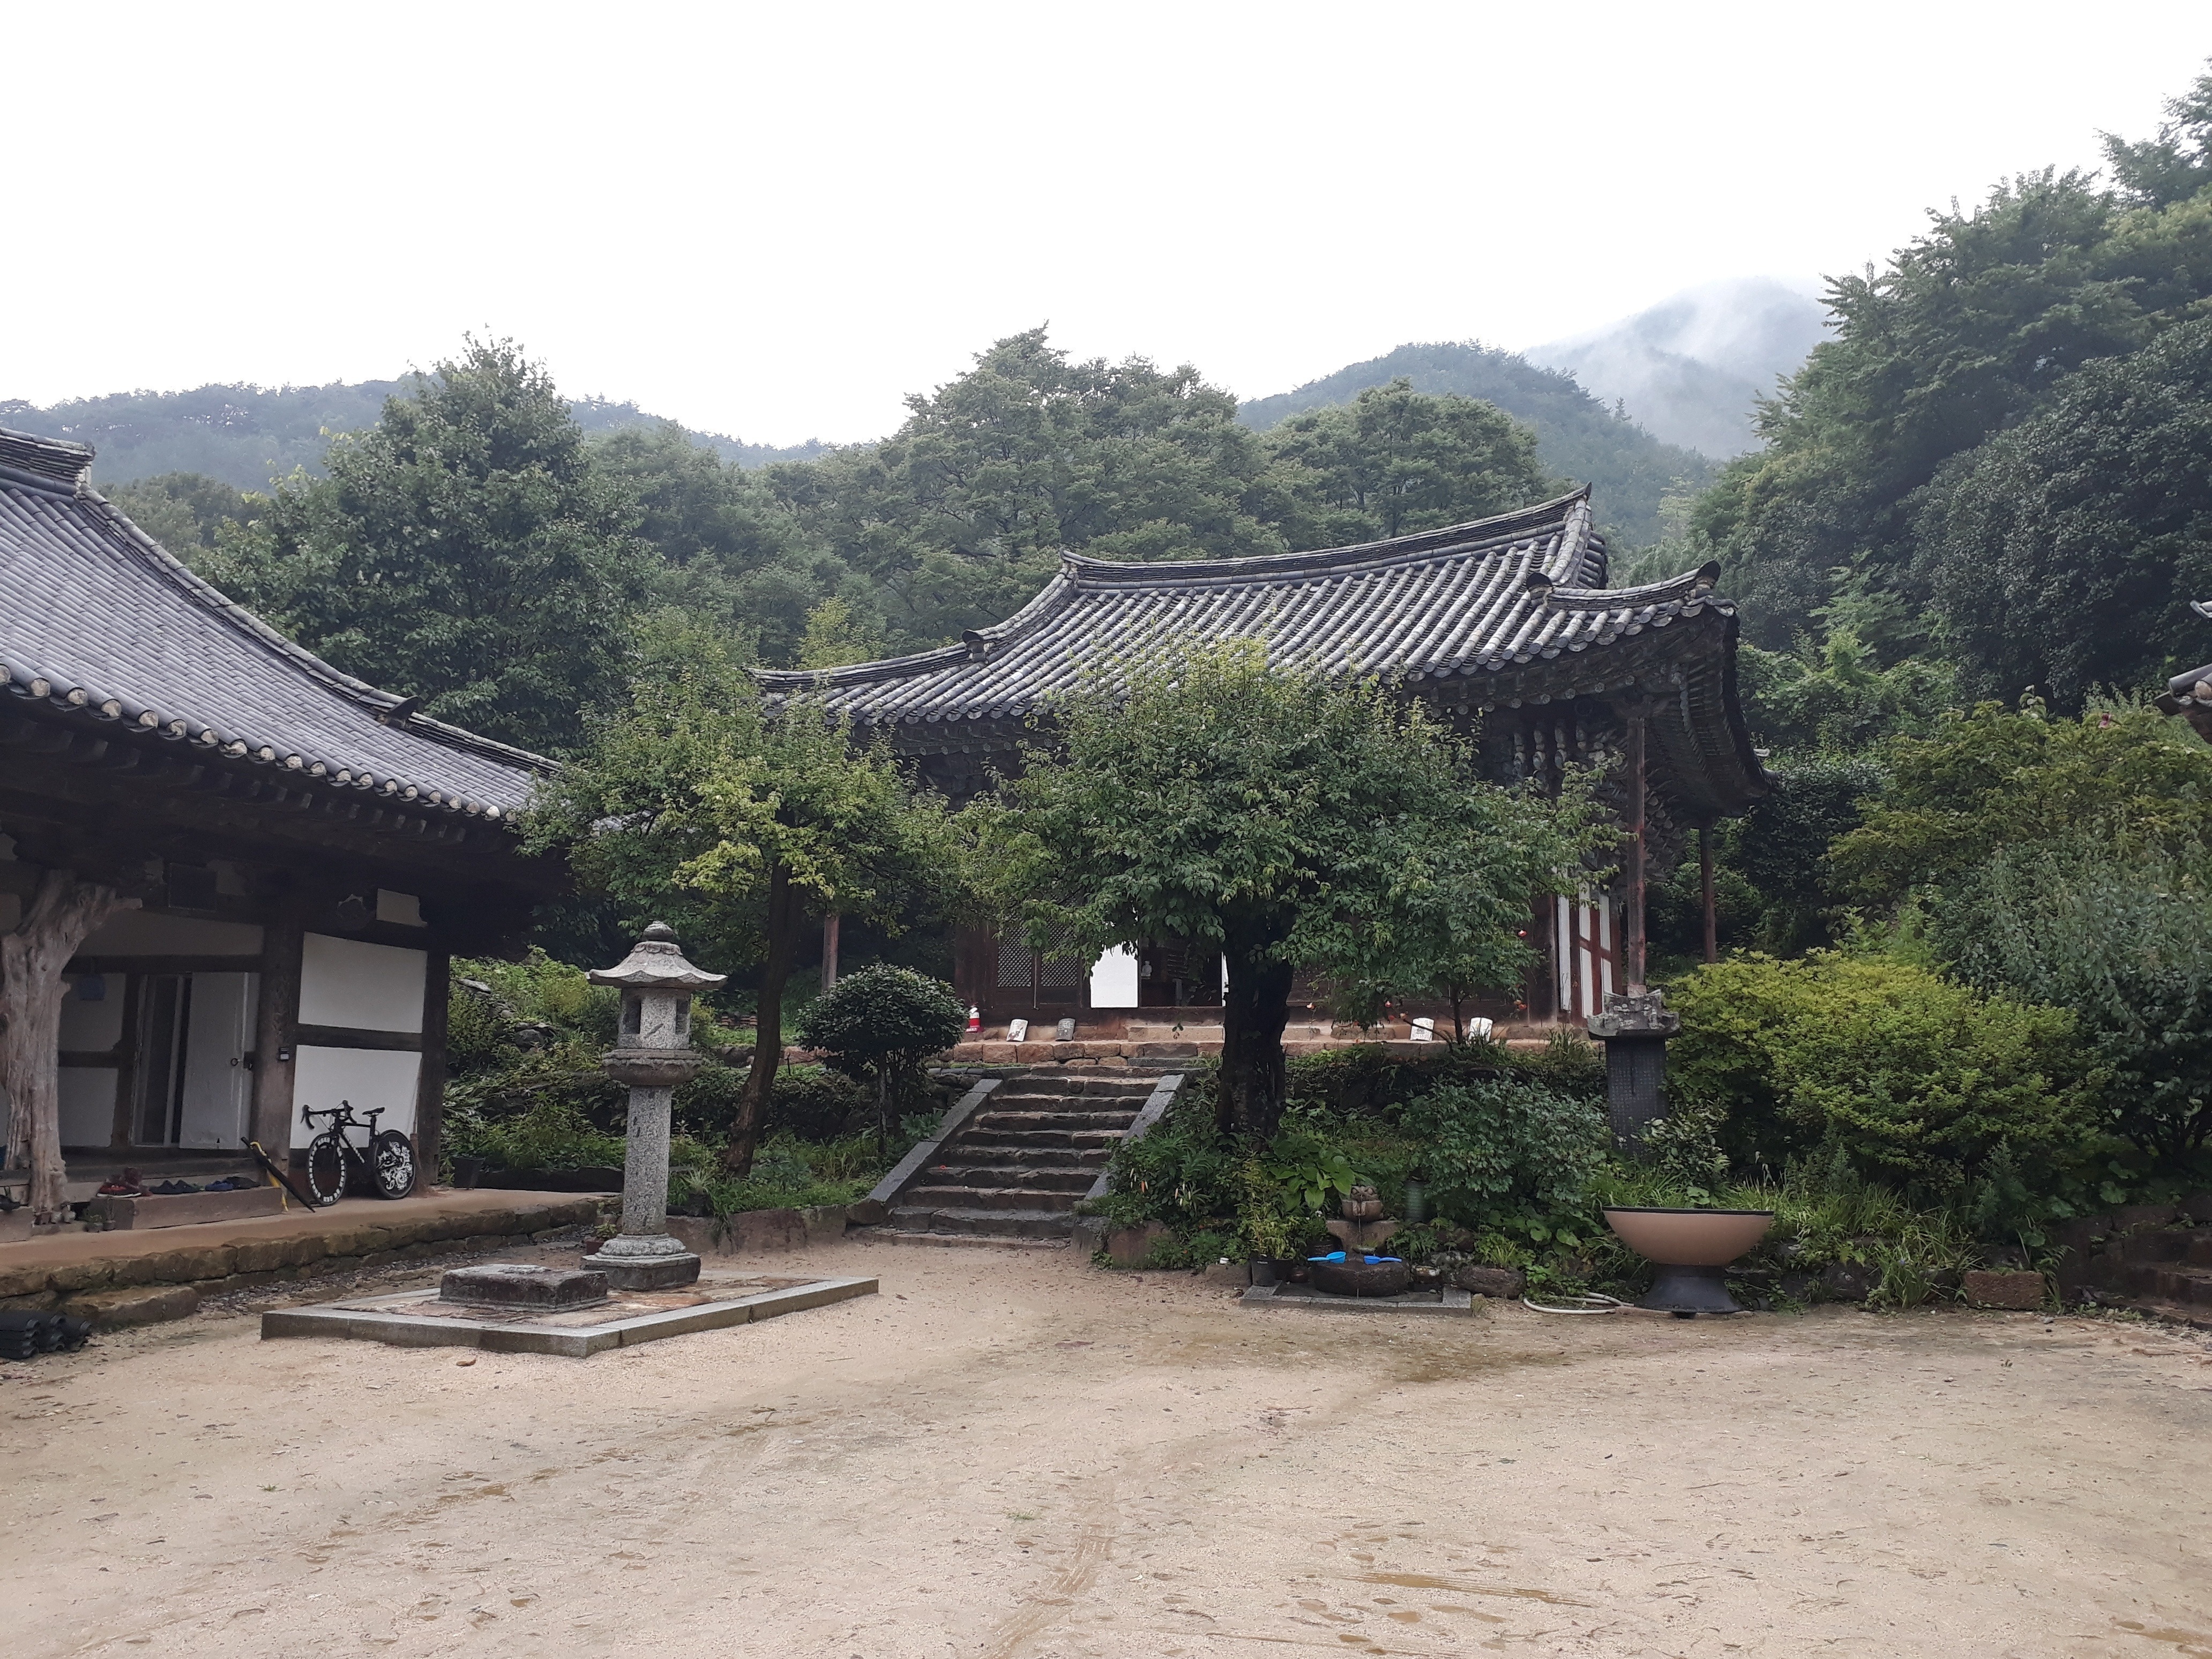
point(88, 1025)
point(402, 908)
point(88, 1103)
point(1114, 979)
point(321, 1078)
point(371, 988)
point(144, 933)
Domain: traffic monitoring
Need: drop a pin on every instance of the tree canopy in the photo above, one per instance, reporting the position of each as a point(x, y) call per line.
point(1286, 818)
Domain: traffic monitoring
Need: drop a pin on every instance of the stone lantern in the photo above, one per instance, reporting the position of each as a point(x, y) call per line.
point(652, 1054)
point(1635, 1029)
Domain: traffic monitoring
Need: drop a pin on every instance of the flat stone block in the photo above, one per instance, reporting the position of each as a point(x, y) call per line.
point(2018, 1292)
point(1447, 1303)
point(1129, 1247)
point(144, 1305)
point(186, 1209)
point(648, 1272)
point(521, 1285)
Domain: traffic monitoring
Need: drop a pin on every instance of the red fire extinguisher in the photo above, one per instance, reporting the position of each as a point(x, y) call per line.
point(975, 1018)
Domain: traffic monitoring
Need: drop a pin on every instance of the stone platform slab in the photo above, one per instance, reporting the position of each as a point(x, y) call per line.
point(417, 1319)
point(57, 1269)
point(1450, 1303)
point(186, 1209)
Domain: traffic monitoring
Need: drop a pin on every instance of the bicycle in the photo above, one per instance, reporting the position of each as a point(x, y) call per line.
point(387, 1169)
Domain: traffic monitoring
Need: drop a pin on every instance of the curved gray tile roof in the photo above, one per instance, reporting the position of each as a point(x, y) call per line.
point(96, 618)
point(1467, 602)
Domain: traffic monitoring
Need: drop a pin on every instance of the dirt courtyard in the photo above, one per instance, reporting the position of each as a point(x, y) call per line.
point(1011, 1456)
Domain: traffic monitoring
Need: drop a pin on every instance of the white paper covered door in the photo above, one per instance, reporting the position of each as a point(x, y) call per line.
point(218, 1084)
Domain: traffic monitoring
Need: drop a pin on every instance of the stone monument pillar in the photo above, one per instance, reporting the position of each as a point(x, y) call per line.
point(652, 1054)
point(1634, 1029)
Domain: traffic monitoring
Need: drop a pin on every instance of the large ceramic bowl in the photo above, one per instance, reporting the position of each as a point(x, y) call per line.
point(1690, 1238)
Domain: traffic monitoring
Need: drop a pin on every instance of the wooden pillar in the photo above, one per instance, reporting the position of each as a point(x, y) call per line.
point(830, 951)
point(276, 1026)
point(1632, 918)
point(1705, 892)
point(430, 1083)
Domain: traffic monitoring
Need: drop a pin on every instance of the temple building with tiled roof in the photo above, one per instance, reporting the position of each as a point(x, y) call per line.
point(1504, 627)
point(267, 861)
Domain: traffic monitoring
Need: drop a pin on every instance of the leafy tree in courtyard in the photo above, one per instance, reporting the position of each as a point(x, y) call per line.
point(742, 823)
point(186, 512)
point(1288, 819)
point(1395, 461)
point(881, 1023)
point(462, 549)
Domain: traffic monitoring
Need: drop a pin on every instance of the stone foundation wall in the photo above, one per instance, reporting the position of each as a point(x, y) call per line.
point(141, 1289)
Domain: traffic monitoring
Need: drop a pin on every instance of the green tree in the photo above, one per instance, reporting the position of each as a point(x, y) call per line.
point(2177, 163)
point(1832, 696)
point(961, 514)
point(2124, 940)
point(742, 823)
point(1394, 461)
point(1992, 778)
point(2062, 553)
point(462, 550)
point(186, 512)
point(1286, 818)
point(882, 1023)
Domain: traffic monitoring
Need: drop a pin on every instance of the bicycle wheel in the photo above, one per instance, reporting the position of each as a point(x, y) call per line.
point(391, 1163)
point(326, 1168)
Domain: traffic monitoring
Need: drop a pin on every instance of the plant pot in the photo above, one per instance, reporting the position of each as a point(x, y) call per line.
point(1261, 1271)
point(1691, 1249)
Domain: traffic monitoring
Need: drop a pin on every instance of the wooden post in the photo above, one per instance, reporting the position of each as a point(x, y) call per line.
point(1705, 890)
point(830, 951)
point(1632, 919)
point(276, 1026)
point(430, 1082)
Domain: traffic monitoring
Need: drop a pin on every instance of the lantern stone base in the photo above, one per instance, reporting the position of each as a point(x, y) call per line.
point(646, 1272)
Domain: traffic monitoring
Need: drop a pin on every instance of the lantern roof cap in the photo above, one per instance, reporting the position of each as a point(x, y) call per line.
point(657, 962)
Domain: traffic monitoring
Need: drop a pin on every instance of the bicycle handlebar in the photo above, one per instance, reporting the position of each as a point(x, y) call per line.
point(309, 1114)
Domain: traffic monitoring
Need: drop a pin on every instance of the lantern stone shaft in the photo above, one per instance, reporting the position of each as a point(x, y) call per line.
point(652, 1054)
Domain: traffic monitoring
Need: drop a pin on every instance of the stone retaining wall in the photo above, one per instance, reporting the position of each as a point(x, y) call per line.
point(130, 1290)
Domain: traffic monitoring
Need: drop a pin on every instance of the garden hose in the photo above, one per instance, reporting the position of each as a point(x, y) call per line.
point(1594, 1303)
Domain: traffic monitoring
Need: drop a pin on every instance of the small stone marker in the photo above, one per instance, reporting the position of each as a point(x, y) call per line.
point(521, 1285)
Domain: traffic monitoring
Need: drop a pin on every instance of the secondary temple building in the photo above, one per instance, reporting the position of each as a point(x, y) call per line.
point(230, 876)
point(1504, 627)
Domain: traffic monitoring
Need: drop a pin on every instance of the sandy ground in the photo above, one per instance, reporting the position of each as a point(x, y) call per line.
point(1011, 1455)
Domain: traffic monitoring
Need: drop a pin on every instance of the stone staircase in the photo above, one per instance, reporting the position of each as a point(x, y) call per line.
point(1014, 1171)
point(2155, 1259)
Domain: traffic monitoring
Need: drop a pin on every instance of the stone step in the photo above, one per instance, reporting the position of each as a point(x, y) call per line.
point(1036, 1177)
point(967, 1195)
point(2154, 1244)
point(1060, 1122)
point(964, 1217)
point(1102, 1142)
point(1064, 1087)
point(1015, 1153)
point(2176, 1283)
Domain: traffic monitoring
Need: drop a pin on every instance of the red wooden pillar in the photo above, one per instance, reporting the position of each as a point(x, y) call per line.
point(1631, 920)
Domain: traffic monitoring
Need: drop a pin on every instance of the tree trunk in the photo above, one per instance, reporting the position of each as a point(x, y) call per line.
point(1254, 1008)
point(57, 919)
point(784, 917)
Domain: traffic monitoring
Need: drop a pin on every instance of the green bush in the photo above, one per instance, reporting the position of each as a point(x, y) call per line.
point(552, 1134)
point(1915, 1078)
point(1492, 1149)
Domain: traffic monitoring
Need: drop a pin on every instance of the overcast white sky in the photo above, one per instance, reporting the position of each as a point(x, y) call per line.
point(776, 220)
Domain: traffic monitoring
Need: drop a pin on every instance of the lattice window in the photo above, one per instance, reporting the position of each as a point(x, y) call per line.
point(1017, 964)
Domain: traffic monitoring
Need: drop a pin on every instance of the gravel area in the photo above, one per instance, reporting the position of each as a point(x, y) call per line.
point(1009, 1455)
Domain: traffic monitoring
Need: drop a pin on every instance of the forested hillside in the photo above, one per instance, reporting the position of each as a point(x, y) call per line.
point(477, 547)
point(1634, 476)
point(2002, 459)
point(246, 436)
